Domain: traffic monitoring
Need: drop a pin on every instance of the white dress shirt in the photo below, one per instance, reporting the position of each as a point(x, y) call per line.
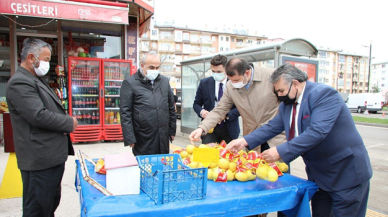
point(299, 101)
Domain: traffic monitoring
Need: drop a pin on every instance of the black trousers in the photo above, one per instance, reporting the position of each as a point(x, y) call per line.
point(217, 135)
point(42, 191)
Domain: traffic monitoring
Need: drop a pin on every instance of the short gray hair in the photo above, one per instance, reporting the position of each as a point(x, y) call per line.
point(150, 53)
point(289, 73)
point(34, 46)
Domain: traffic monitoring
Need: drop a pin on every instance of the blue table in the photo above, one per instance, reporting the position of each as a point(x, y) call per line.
point(289, 194)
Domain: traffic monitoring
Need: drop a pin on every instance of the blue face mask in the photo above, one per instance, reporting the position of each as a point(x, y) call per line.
point(218, 76)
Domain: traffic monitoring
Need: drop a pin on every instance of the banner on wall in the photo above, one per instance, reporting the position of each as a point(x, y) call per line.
point(66, 10)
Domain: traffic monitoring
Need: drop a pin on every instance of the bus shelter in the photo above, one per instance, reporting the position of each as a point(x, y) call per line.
point(268, 55)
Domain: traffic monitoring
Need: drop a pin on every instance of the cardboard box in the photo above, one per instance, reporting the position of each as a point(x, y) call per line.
point(122, 174)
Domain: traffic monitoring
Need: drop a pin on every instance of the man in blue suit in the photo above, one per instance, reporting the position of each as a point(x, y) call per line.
point(320, 128)
point(209, 92)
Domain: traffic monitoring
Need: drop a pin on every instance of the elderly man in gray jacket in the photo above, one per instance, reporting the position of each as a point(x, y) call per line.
point(41, 130)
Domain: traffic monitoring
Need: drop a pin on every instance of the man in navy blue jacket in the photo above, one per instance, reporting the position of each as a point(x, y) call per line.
point(320, 128)
point(209, 92)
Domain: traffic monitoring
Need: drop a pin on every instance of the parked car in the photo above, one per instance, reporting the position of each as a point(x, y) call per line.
point(373, 102)
point(178, 106)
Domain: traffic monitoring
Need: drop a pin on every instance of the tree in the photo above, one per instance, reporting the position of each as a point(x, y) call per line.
point(375, 89)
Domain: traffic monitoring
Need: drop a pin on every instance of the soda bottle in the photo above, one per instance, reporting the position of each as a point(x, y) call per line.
point(89, 118)
point(118, 118)
point(111, 117)
point(93, 118)
point(97, 103)
point(80, 117)
point(66, 104)
point(106, 117)
point(115, 119)
point(98, 118)
point(84, 116)
point(75, 114)
point(117, 102)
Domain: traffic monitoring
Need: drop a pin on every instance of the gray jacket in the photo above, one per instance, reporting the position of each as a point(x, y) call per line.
point(40, 125)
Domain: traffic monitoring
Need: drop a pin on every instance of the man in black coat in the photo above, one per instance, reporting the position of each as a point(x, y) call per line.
point(147, 109)
point(41, 130)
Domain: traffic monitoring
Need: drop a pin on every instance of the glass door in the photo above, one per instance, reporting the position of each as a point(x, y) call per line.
point(85, 101)
point(115, 71)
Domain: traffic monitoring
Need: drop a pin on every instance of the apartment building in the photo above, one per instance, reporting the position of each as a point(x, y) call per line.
point(180, 43)
point(346, 72)
point(379, 75)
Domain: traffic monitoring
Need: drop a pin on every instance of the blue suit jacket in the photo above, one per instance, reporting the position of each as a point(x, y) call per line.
point(205, 99)
point(331, 147)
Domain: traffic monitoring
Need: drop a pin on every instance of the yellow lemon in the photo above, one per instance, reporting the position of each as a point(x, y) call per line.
point(243, 160)
point(190, 148)
point(230, 175)
point(233, 166)
point(212, 165)
point(203, 146)
point(191, 158)
point(241, 176)
point(210, 174)
point(283, 167)
point(193, 165)
point(223, 164)
point(241, 152)
point(215, 173)
point(261, 172)
point(184, 154)
point(200, 165)
point(272, 175)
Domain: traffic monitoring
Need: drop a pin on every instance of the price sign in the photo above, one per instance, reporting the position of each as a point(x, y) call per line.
point(206, 155)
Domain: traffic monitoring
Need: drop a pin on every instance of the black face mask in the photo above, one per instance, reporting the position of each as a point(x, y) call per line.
point(286, 99)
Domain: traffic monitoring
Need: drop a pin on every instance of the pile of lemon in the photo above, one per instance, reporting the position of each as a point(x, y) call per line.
point(238, 167)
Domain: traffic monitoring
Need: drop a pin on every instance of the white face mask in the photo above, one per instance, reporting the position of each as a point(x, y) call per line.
point(152, 74)
point(42, 69)
point(240, 84)
point(218, 76)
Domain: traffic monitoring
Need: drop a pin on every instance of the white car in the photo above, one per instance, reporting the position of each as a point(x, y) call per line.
point(373, 102)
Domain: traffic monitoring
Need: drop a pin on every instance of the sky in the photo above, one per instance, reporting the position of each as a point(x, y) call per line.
point(350, 25)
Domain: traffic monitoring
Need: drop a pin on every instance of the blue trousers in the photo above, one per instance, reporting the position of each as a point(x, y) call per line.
point(350, 202)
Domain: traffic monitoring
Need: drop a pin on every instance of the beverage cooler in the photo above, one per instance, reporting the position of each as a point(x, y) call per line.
point(94, 87)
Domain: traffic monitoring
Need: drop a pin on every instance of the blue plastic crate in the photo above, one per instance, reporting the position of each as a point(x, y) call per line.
point(166, 179)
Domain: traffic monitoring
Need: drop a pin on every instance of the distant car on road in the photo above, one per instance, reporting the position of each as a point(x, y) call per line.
point(373, 102)
point(178, 105)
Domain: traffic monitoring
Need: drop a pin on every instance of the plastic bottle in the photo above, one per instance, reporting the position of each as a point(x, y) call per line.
point(118, 118)
point(115, 119)
point(106, 117)
point(98, 118)
point(111, 117)
point(93, 118)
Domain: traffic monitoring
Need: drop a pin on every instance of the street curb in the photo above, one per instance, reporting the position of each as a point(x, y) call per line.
point(371, 124)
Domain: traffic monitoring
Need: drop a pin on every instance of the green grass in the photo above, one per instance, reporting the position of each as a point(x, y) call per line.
point(370, 120)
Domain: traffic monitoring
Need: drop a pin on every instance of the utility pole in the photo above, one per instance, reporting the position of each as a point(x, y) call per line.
point(370, 64)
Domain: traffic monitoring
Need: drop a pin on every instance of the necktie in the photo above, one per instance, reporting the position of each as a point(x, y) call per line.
point(220, 93)
point(292, 128)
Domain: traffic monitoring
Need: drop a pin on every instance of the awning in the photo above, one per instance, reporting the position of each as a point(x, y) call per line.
point(67, 10)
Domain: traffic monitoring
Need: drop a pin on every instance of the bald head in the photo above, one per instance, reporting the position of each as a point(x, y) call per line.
point(236, 66)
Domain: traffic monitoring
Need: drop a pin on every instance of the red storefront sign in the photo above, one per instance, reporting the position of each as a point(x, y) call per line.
point(66, 10)
point(308, 68)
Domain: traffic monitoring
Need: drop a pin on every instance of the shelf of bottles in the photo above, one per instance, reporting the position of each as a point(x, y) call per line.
point(85, 92)
point(113, 79)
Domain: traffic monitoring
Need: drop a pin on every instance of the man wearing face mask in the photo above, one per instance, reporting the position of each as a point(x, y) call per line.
point(41, 130)
point(209, 93)
point(251, 92)
point(320, 128)
point(147, 109)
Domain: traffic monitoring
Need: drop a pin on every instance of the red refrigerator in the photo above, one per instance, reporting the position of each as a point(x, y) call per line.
point(94, 87)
